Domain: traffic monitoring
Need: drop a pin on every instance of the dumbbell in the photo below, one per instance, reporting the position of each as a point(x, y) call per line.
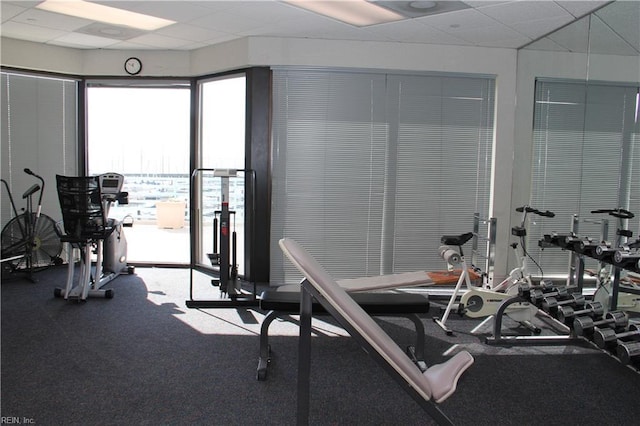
point(537, 296)
point(607, 337)
point(627, 350)
point(567, 313)
point(551, 304)
point(585, 325)
point(524, 290)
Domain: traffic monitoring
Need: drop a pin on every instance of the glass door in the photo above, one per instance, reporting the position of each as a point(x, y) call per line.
point(143, 133)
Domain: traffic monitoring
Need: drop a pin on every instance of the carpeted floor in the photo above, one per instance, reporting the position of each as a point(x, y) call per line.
point(143, 358)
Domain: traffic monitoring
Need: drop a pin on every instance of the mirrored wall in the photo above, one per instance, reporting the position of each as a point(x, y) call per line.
point(578, 128)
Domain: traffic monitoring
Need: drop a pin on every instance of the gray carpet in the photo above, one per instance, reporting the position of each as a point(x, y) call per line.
point(143, 358)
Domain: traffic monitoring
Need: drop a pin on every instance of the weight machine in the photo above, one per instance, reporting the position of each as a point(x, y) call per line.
point(85, 204)
point(224, 263)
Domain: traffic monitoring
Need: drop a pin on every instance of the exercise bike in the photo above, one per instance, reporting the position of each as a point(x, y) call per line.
point(485, 300)
point(30, 240)
point(85, 204)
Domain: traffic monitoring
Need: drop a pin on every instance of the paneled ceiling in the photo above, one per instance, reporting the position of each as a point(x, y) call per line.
point(502, 24)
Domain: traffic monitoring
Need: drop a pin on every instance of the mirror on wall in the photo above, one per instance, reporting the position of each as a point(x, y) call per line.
point(578, 126)
point(611, 33)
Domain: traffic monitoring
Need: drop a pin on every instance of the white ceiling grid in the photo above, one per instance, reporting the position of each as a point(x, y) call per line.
point(502, 24)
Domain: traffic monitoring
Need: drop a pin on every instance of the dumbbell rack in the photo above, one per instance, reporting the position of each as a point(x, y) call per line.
point(619, 257)
point(498, 339)
point(615, 334)
point(591, 326)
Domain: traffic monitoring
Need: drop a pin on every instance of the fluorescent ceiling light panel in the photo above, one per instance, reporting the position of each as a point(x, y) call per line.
point(360, 13)
point(108, 14)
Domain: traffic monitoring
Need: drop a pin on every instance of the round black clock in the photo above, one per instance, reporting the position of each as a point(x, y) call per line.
point(133, 66)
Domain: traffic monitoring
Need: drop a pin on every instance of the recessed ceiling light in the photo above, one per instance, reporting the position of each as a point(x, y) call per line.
point(422, 4)
point(101, 13)
point(418, 9)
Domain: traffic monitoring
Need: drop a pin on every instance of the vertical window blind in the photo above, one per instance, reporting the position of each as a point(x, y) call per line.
point(586, 156)
point(39, 127)
point(371, 169)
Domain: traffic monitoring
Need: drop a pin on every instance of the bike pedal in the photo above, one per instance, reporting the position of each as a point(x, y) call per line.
point(462, 311)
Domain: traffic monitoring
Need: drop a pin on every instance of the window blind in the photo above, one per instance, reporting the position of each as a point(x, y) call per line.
point(370, 169)
point(39, 122)
point(586, 156)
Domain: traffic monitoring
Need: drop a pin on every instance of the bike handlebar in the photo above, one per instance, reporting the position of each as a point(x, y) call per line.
point(619, 213)
point(529, 209)
point(29, 172)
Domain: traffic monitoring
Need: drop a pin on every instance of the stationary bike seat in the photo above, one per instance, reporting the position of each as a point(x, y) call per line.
point(456, 240)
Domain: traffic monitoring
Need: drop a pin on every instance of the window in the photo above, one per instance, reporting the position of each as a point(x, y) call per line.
point(586, 153)
point(222, 146)
point(371, 169)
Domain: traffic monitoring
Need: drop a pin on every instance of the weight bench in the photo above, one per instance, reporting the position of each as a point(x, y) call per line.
point(398, 280)
point(428, 388)
point(286, 303)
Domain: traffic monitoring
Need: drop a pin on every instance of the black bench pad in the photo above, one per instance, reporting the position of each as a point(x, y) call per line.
point(372, 303)
point(286, 303)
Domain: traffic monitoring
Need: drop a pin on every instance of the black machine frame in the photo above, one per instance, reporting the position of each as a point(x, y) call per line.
point(223, 271)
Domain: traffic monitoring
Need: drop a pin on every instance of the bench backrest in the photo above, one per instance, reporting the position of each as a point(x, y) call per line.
point(359, 320)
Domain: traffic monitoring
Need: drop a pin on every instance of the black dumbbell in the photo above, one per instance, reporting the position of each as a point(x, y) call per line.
point(628, 350)
point(566, 314)
point(551, 304)
point(537, 295)
point(524, 290)
point(607, 337)
point(585, 325)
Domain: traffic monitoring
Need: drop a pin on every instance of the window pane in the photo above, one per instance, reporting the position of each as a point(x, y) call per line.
point(222, 141)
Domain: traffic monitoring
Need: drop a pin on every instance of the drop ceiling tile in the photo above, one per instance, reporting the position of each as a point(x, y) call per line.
point(574, 37)
point(581, 8)
point(226, 22)
point(414, 31)
point(157, 40)
point(9, 10)
point(128, 45)
point(463, 19)
point(603, 40)
point(546, 44)
point(28, 32)
point(625, 18)
point(82, 41)
point(540, 27)
point(52, 20)
point(23, 3)
point(498, 36)
point(221, 39)
point(525, 10)
point(179, 11)
point(266, 10)
point(189, 32)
